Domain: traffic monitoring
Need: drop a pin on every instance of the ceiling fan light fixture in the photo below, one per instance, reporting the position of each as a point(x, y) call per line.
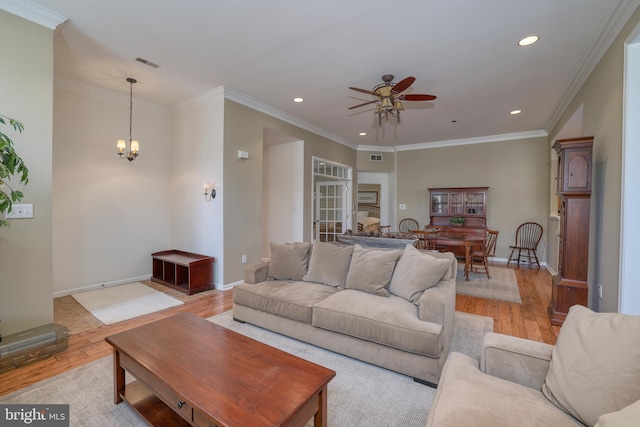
point(389, 96)
point(528, 41)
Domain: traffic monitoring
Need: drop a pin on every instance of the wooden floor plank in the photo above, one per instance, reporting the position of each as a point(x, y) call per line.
point(86, 342)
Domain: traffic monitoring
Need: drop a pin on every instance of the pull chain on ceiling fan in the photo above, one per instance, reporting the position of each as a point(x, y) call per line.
point(388, 94)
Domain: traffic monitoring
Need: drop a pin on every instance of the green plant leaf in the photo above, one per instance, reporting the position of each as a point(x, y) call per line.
point(10, 165)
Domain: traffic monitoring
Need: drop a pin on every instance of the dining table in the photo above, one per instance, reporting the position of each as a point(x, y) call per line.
point(466, 240)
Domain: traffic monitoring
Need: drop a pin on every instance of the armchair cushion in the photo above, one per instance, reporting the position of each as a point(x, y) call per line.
point(415, 272)
point(594, 366)
point(329, 264)
point(468, 397)
point(289, 261)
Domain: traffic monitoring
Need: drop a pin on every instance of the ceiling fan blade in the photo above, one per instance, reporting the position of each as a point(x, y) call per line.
point(403, 85)
point(417, 97)
point(363, 104)
point(363, 91)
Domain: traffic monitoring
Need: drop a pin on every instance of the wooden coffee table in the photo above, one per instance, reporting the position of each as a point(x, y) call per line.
point(190, 371)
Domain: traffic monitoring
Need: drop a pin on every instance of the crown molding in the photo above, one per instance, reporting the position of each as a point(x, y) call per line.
point(612, 29)
point(376, 148)
point(33, 12)
point(247, 101)
point(469, 141)
point(203, 98)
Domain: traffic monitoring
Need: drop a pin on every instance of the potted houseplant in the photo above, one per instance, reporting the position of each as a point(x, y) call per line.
point(10, 165)
point(456, 221)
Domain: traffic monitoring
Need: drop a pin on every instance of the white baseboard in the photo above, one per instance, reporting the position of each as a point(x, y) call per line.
point(66, 292)
point(229, 285)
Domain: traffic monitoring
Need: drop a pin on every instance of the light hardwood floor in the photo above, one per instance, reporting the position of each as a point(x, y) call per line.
point(87, 334)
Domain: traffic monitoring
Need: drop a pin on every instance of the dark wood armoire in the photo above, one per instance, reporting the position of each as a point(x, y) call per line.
point(569, 286)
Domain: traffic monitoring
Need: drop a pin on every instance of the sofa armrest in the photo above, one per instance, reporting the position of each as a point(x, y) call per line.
point(256, 273)
point(515, 359)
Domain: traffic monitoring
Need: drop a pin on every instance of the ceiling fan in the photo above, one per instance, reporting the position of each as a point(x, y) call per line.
point(388, 94)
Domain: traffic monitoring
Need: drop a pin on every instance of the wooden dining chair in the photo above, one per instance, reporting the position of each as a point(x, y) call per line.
point(528, 236)
point(478, 258)
point(408, 224)
point(385, 229)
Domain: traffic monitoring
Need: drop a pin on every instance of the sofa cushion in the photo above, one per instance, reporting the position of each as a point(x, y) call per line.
point(625, 417)
point(289, 261)
point(467, 397)
point(595, 364)
point(292, 300)
point(329, 264)
point(415, 272)
point(390, 321)
point(371, 269)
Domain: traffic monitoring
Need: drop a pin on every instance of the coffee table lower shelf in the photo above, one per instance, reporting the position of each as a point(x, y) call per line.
point(150, 407)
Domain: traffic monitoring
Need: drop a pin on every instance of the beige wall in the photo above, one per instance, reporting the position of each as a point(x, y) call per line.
point(516, 173)
point(243, 207)
point(26, 94)
point(109, 215)
point(366, 165)
point(601, 100)
point(196, 156)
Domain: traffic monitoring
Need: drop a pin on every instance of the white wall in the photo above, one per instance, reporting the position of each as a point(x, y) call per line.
point(196, 156)
point(26, 94)
point(629, 299)
point(109, 215)
point(283, 194)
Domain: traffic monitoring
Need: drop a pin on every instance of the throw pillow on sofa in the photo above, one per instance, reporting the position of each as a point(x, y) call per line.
point(625, 417)
point(594, 367)
point(289, 261)
point(415, 272)
point(329, 264)
point(370, 270)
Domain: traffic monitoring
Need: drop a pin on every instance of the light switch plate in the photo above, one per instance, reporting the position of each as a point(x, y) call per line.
point(403, 207)
point(20, 211)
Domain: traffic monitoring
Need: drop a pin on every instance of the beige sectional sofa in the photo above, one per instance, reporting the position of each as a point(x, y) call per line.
point(391, 308)
point(591, 377)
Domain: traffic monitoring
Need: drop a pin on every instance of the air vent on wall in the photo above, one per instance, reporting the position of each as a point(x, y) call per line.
point(149, 63)
point(375, 157)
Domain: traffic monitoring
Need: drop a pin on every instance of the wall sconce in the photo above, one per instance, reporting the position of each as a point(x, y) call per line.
point(208, 195)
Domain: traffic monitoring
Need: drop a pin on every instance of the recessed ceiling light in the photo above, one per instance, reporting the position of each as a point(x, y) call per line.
point(529, 40)
point(514, 112)
point(298, 99)
point(362, 133)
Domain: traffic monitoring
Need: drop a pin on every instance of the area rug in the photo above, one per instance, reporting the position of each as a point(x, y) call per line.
point(502, 285)
point(119, 303)
point(360, 395)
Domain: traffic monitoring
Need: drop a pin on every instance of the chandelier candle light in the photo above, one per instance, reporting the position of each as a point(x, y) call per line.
point(134, 146)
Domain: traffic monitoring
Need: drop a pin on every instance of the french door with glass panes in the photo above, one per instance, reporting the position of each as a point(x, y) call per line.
point(331, 210)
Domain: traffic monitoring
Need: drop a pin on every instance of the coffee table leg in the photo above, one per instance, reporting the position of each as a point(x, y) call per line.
point(320, 419)
point(118, 378)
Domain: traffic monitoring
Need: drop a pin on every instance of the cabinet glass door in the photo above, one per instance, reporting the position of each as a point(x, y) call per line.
point(440, 203)
point(456, 204)
point(474, 203)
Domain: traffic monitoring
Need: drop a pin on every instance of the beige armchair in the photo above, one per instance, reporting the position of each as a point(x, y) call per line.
point(591, 377)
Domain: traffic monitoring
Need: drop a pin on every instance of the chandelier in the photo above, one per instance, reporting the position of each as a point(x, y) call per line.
point(134, 146)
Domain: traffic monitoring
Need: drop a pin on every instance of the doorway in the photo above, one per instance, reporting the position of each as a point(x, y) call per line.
point(331, 200)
